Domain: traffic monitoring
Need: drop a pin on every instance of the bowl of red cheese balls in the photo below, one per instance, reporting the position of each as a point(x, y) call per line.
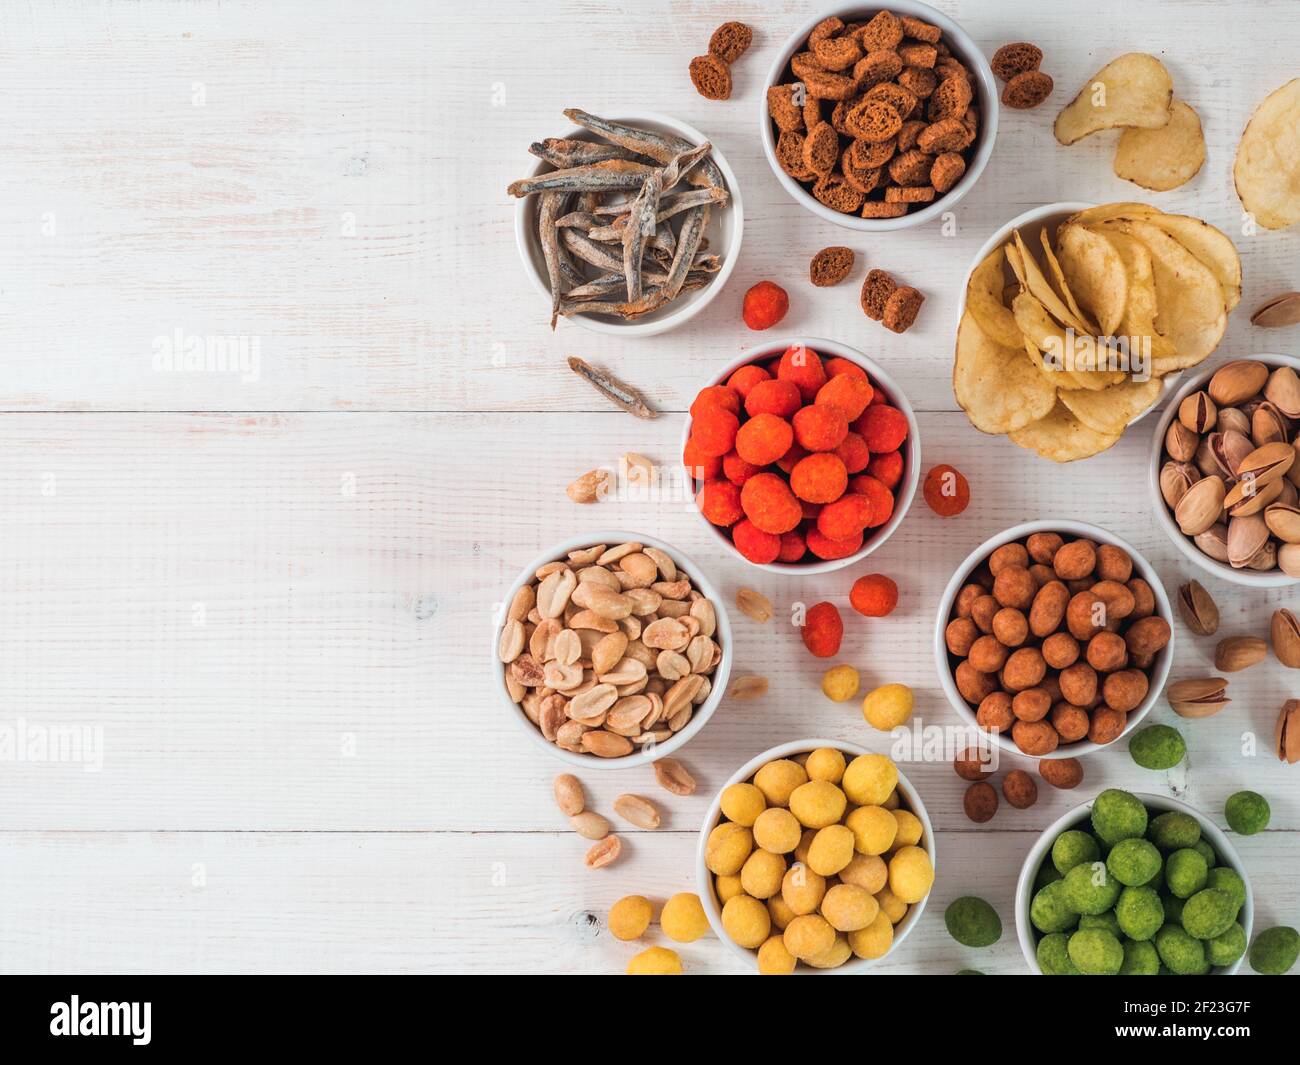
point(804, 455)
point(1055, 637)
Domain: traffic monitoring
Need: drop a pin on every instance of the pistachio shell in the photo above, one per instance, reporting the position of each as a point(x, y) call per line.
point(1214, 542)
point(1198, 412)
point(1265, 558)
point(1175, 479)
point(1234, 419)
point(1239, 652)
point(1283, 521)
point(1267, 463)
point(1200, 506)
point(1268, 424)
point(1181, 442)
point(1279, 311)
point(1288, 559)
point(1286, 739)
point(1198, 609)
point(1284, 634)
point(1201, 697)
point(1246, 535)
point(1248, 497)
point(1237, 381)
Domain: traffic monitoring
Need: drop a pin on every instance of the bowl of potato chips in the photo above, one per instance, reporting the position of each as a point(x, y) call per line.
point(1075, 319)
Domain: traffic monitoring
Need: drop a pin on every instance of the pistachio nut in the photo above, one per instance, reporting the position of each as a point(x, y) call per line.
point(1268, 424)
point(1214, 542)
point(1175, 479)
point(1279, 311)
point(1204, 459)
point(1237, 381)
point(1286, 740)
point(1265, 558)
point(1200, 506)
point(1234, 419)
point(1202, 697)
point(1229, 448)
point(1283, 521)
point(1235, 653)
point(1289, 497)
point(1283, 391)
point(1246, 535)
point(1181, 442)
point(1288, 560)
point(1284, 633)
point(1198, 412)
point(1198, 609)
point(1293, 474)
point(1267, 463)
point(1248, 497)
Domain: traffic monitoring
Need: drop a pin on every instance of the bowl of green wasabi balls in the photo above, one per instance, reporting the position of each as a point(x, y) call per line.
point(1131, 884)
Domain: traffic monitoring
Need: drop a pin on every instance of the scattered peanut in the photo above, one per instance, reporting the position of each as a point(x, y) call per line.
point(673, 777)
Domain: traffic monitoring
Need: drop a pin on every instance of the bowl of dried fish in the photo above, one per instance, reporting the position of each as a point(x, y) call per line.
point(629, 225)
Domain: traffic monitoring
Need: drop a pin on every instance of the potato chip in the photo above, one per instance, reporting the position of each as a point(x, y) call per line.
point(1077, 355)
point(998, 387)
point(1138, 323)
point(1133, 90)
point(1267, 169)
point(1095, 273)
point(984, 301)
point(1165, 157)
point(1123, 209)
point(1061, 437)
point(1212, 246)
point(1109, 412)
point(1058, 278)
point(1032, 278)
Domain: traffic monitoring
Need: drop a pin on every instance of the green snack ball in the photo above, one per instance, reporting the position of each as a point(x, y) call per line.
point(1054, 956)
point(1229, 881)
point(1106, 921)
point(1117, 815)
point(1186, 873)
point(1247, 812)
point(1275, 950)
point(1050, 911)
point(1134, 861)
point(1226, 948)
point(1140, 959)
point(1073, 848)
point(1157, 747)
point(968, 972)
point(1095, 952)
point(1173, 830)
point(1173, 909)
point(972, 922)
point(1208, 913)
point(1203, 848)
point(1139, 913)
point(1047, 873)
point(1091, 889)
point(1184, 955)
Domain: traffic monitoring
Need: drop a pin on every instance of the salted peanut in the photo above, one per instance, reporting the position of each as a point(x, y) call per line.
point(802, 890)
point(673, 777)
point(604, 853)
point(589, 824)
point(569, 796)
point(637, 811)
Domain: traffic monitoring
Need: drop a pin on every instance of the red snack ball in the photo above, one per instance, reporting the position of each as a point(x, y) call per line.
point(874, 596)
point(886, 468)
point(881, 498)
point(823, 629)
point(793, 546)
point(820, 428)
point(850, 394)
point(769, 503)
point(883, 427)
point(763, 439)
point(803, 367)
point(765, 305)
point(699, 465)
point(737, 470)
point(716, 396)
point(819, 478)
point(773, 397)
point(946, 491)
point(755, 544)
point(790, 459)
point(854, 453)
point(746, 378)
point(714, 430)
point(825, 548)
point(835, 366)
point(719, 502)
point(845, 518)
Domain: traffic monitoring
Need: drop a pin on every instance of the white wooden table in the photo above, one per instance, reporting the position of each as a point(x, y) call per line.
point(271, 593)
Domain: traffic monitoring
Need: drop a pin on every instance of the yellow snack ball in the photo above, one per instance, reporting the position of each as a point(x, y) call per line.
point(808, 935)
point(848, 907)
point(682, 919)
point(761, 874)
point(910, 874)
point(746, 921)
point(909, 829)
point(802, 889)
point(839, 953)
point(873, 829)
point(840, 683)
point(727, 848)
point(893, 801)
point(817, 804)
point(873, 941)
point(866, 871)
point(805, 841)
point(780, 910)
point(657, 961)
point(831, 850)
point(825, 763)
point(629, 917)
point(888, 706)
point(869, 779)
point(727, 887)
point(778, 779)
point(774, 959)
point(891, 905)
point(776, 830)
point(742, 803)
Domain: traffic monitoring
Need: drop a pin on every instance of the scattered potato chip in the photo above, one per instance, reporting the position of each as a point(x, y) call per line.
point(1133, 90)
point(1061, 437)
point(998, 387)
point(1267, 169)
point(1165, 157)
point(1110, 411)
point(984, 301)
point(1095, 274)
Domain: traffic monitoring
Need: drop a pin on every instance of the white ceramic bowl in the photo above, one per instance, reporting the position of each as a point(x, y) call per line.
point(986, 99)
point(1041, 849)
point(1164, 517)
point(726, 225)
point(718, 678)
point(1049, 216)
point(912, 446)
point(704, 879)
point(1157, 675)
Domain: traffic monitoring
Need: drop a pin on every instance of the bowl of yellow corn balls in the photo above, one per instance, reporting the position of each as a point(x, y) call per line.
point(816, 856)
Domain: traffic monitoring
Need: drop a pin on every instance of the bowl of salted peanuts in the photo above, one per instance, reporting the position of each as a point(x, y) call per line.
point(816, 856)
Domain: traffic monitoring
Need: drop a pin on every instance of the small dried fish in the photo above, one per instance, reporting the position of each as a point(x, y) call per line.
point(598, 177)
point(622, 395)
point(659, 147)
point(584, 220)
point(563, 153)
point(591, 252)
point(688, 241)
point(639, 229)
point(670, 205)
point(549, 235)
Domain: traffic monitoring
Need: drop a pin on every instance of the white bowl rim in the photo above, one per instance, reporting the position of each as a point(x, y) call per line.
point(1244, 577)
point(524, 238)
point(718, 680)
point(907, 487)
point(704, 879)
point(1037, 853)
point(1162, 665)
point(966, 50)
